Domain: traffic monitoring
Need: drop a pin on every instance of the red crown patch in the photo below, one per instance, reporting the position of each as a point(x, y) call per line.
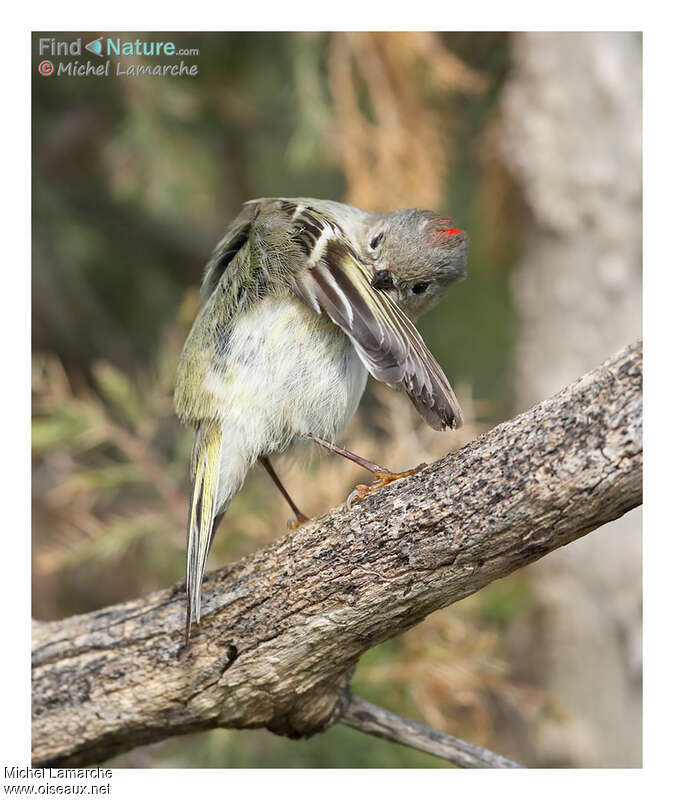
point(443, 234)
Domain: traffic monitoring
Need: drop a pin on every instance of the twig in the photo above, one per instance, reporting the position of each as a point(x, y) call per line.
point(368, 718)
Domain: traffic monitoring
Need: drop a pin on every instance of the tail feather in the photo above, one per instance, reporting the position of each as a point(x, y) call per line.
point(203, 509)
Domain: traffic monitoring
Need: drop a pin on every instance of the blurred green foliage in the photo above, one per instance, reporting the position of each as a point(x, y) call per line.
point(504, 600)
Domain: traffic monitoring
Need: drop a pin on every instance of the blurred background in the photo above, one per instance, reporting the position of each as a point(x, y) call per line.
point(531, 142)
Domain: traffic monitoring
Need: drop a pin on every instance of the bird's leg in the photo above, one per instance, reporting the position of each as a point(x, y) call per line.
point(383, 475)
point(300, 519)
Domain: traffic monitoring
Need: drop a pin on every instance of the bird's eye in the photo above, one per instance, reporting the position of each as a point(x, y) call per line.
point(376, 240)
point(420, 288)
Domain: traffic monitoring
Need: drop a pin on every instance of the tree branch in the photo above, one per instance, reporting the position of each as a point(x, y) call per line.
point(368, 718)
point(283, 629)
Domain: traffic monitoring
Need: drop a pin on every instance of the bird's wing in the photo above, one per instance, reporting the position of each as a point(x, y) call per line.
point(232, 243)
point(334, 279)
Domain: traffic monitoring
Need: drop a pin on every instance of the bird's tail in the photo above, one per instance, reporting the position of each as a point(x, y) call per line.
point(203, 510)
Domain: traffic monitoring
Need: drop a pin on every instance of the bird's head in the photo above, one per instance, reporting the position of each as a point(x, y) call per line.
point(416, 256)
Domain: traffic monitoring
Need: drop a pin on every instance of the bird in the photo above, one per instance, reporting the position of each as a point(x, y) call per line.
point(300, 301)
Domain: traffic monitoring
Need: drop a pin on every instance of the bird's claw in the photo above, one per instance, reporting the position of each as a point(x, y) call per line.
point(294, 524)
point(383, 478)
point(358, 494)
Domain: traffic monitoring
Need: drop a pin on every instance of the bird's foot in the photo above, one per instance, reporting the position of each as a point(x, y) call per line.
point(384, 477)
point(294, 524)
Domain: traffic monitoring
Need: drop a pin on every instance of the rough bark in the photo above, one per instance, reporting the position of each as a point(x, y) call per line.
point(283, 629)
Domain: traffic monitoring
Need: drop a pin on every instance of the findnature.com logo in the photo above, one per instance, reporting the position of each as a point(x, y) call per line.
point(108, 48)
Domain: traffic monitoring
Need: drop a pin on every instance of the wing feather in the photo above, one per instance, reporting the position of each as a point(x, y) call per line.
point(336, 280)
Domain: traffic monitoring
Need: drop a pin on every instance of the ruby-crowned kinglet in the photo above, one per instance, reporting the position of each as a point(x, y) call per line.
point(300, 300)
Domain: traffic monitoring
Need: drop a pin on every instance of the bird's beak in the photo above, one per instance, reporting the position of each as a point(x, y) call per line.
point(382, 280)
